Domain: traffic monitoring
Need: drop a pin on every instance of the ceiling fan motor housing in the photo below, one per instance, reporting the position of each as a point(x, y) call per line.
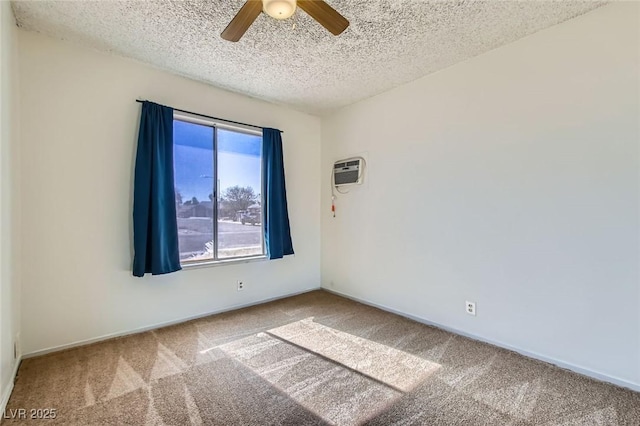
point(283, 9)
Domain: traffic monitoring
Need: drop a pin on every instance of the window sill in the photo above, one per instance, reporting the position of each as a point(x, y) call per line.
point(210, 263)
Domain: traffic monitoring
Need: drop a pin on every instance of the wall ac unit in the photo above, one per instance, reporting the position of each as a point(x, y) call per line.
point(348, 172)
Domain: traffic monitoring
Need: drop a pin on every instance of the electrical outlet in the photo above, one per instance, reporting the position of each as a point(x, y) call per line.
point(240, 285)
point(470, 307)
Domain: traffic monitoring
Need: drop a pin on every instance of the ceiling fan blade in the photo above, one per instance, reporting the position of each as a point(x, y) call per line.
point(325, 15)
point(242, 21)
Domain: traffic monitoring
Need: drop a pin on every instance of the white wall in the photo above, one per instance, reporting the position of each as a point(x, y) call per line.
point(9, 207)
point(510, 180)
point(79, 130)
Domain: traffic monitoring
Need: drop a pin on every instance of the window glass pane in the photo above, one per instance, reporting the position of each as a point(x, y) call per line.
point(240, 207)
point(194, 178)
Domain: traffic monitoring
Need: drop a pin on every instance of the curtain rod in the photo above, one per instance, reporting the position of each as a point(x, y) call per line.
point(210, 117)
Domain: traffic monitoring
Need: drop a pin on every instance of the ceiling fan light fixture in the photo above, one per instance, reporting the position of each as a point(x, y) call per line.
point(279, 9)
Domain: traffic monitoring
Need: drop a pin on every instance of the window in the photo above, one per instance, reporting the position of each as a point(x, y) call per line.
point(218, 185)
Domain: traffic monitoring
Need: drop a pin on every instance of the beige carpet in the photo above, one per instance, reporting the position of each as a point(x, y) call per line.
point(313, 359)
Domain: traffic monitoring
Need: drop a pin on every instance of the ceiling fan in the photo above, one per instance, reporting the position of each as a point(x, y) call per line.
point(283, 9)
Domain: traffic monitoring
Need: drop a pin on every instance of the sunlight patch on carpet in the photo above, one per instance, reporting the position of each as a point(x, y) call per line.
point(331, 391)
point(393, 367)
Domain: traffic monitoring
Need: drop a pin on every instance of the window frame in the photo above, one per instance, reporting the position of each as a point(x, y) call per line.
point(238, 128)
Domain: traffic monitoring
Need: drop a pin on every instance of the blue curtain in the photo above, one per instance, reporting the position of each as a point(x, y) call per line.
point(155, 230)
point(277, 234)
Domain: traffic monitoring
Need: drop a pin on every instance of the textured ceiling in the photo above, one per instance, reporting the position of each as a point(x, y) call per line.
point(387, 44)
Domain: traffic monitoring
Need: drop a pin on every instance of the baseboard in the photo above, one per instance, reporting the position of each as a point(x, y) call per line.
point(6, 393)
point(159, 325)
point(566, 365)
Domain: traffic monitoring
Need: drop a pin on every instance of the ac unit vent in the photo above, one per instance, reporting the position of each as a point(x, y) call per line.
point(348, 172)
